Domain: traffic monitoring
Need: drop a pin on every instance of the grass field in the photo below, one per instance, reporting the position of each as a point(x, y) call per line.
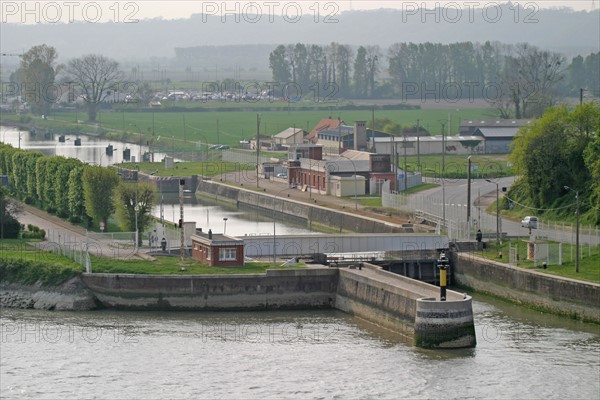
point(188, 168)
point(456, 166)
point(164, 265)
point(233, 126)
point(589, 267)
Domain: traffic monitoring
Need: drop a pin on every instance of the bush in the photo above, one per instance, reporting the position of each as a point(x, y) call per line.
point(11, 227)
point(38, 234)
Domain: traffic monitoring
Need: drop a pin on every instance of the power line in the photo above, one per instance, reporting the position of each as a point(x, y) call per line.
point(539, 209)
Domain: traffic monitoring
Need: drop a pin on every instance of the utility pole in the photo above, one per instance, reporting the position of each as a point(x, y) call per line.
point(469, 198)
point(418, 145)
point(576, 228)
point(257, 146)
point(181, 230)
point(373, 128)
point(443, 174)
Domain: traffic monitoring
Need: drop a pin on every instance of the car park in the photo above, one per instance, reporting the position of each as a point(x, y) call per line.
point(529, 222)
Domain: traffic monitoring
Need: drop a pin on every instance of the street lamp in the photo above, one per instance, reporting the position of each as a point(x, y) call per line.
point(257, 148)
point(497, 215)
point(576, 227)
point(274, 236)
point(224, 225)
point(469, 198)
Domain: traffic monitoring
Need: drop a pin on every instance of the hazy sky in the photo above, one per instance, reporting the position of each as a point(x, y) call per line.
point(129, 11)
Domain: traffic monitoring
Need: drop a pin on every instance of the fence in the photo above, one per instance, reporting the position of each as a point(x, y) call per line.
point(117, 245)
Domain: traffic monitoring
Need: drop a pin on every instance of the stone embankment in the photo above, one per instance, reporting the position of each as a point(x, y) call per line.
point(73, 295)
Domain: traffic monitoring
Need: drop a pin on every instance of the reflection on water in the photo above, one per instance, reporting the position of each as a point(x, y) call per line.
point(211, 214)
point(92, 150)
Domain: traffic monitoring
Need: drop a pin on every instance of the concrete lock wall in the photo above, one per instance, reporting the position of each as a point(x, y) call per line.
point(378, 296)
point(444, 324)
point(280, 289)
point(551, 293)
point(409, 306)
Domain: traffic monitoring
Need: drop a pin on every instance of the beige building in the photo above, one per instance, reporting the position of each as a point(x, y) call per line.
point(343, 186)
point(288, 137)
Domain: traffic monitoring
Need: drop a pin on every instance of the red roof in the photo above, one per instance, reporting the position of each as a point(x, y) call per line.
point(325, 123)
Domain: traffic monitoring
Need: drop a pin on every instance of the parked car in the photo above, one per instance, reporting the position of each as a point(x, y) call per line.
point(529, 222)
point(282, 175)
point(223, 147)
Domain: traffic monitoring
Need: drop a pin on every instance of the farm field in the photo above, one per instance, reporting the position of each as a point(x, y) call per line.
point(234, 126)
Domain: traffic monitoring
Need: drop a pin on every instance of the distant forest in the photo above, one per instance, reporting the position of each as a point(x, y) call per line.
point(519, 79)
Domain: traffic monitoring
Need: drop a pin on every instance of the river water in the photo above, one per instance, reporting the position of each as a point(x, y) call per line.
point(520, 354)
point(92, 150)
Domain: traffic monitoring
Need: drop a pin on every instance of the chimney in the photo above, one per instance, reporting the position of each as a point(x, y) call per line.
point(360, 135)
point(210, 234)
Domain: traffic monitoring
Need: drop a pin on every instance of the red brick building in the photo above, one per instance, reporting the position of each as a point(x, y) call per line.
point(217, 250)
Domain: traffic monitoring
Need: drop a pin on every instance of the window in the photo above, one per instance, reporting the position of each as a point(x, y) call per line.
point(227, 254)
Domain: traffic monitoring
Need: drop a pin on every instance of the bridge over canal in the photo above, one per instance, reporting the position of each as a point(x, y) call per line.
point(299, 245)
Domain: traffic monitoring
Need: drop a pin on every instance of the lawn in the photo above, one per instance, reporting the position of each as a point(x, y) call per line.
point(164, 265)
point(211, 168)
point(589, 267)
point(456, 166)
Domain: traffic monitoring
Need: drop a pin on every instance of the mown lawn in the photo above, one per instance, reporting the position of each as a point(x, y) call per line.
point(589, 267)
point(165, 265)
point(210, 168)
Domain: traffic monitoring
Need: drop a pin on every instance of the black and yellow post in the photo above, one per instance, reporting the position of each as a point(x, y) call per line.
point(443, 265)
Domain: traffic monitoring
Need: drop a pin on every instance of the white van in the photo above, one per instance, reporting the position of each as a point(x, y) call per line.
point(529, 222)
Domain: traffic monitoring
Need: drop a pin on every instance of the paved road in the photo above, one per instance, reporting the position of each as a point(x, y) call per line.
point(69, 238)
point(483, 194)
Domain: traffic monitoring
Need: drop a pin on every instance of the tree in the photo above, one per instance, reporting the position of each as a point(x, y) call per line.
point(37, 72)
point(591, 157)
point(96, 76)
point(373, 56)
point(343, 60)
point(98, 187)
point(76, 200)
point(361, 75)
point(132, 199)
point(527, 79)
point(280, 67)
point(550, 153)
point(9, 225)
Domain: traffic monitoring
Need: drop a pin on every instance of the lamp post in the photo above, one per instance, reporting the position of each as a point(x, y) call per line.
point(273, 214)
point(497, 215)
point(225, 225)
point(576, 227)
point(469, 197)
point(257, 147)
point(135, 210)
point(355, 186)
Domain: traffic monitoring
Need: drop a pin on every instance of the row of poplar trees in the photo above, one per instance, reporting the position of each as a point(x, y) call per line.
point(74, 190)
